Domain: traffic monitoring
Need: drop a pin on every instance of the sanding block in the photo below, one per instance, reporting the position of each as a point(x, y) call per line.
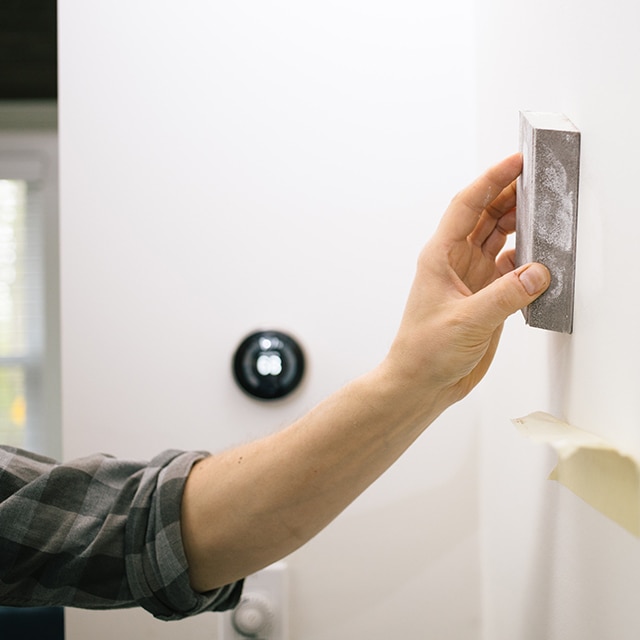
point(547, 213)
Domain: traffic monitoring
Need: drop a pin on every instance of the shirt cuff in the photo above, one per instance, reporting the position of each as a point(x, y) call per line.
point(156, 564)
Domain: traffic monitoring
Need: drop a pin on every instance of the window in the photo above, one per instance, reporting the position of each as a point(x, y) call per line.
point(16, 301)
point(29, 344)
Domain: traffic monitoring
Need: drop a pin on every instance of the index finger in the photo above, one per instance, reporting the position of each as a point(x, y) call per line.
point(463, 214)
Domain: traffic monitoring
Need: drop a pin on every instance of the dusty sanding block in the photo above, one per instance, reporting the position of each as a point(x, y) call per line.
point(547, 213)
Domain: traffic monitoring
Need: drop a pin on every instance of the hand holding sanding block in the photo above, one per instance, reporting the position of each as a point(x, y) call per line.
point(547, 213)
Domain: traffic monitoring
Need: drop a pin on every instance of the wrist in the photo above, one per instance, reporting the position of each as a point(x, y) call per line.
point(413, 398)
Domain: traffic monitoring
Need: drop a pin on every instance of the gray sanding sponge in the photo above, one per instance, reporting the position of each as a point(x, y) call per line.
point(547, 213)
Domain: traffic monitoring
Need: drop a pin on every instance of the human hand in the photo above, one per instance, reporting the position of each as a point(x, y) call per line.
point(463, 291)
point(294, 482)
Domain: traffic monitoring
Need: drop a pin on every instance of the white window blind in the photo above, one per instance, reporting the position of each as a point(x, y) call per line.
point(26, 417)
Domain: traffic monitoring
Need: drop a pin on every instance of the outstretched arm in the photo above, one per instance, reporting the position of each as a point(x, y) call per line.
point(247, 507)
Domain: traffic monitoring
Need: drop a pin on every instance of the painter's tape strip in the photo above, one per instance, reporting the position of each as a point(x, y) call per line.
point(600, 474)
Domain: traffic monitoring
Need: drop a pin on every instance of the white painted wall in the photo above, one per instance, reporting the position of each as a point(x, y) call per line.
point(554, 568)
point(226, 166)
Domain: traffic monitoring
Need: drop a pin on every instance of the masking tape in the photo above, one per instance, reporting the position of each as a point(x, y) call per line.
point(603, 476)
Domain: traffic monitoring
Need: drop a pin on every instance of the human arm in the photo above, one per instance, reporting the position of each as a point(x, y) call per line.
point(247, 507)
point(98, 533)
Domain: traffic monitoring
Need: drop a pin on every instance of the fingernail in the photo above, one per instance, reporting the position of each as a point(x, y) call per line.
point(533, 278)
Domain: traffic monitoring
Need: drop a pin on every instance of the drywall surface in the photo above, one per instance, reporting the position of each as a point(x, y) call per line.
point(233, 166)
point(553, 567)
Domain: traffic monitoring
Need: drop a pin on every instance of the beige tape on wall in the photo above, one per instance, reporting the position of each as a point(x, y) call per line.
point(597, 472)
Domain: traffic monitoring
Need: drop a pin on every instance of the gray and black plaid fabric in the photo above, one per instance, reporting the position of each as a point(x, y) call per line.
point(98, 533)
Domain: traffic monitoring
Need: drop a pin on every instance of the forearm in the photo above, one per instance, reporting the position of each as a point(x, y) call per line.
point(252, 505)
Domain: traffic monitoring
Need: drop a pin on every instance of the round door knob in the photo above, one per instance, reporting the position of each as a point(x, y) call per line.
point(268, 364)
point(252, 618)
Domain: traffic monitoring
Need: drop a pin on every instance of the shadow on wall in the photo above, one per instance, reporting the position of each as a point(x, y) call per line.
point(417, 555)
point(578, 555)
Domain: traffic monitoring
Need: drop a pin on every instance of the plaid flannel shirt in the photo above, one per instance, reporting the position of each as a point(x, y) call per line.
point(98, 533)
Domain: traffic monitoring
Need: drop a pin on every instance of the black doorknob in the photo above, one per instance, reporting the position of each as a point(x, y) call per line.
point(268, 364)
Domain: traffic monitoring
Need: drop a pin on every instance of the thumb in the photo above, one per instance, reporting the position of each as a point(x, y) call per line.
point(513, 291)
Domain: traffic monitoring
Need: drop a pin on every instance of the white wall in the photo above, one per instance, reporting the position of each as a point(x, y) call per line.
point(226, 166)
point(552, 566)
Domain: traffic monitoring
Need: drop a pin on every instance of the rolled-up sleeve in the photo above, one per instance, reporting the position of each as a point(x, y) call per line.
point(98, 533)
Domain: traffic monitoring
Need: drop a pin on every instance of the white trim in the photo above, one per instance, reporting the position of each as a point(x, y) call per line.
point(17, 165)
